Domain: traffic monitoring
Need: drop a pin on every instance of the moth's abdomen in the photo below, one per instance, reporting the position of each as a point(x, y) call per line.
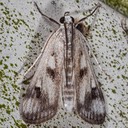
point(68, 98)
point(68, 89)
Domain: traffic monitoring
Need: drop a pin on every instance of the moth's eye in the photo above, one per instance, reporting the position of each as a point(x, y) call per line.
point(51, 72)
point(62, 20)
point(80, 27)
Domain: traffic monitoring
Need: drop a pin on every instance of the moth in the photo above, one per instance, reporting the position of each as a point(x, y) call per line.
point(64, 74)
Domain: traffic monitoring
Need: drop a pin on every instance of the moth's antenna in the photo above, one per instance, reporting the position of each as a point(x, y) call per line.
point(46, 15)
point(99, 5)
point(93, 22)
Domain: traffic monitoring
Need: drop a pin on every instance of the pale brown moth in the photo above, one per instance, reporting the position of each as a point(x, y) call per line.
point(64, 73)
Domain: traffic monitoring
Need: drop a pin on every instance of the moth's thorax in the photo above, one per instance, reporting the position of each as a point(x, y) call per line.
point(68, 19)
point(68, 90)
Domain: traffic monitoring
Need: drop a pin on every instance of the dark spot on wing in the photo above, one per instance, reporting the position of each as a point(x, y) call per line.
point(93, 110)
point(94, 93)
point(51, 72)
point(52, 54)
point(38, 92)
point(81, 53)
point(83, 72)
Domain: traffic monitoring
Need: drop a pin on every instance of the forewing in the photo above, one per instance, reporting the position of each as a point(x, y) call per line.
point(90, 104)
point(41, 99)
point(31, 71)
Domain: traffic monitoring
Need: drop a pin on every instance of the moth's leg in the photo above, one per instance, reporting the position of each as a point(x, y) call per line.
point(45, 15)
point(124, 25)
point(97, 7)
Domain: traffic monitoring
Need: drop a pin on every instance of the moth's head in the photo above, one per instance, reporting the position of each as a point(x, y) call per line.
point(66, 18)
